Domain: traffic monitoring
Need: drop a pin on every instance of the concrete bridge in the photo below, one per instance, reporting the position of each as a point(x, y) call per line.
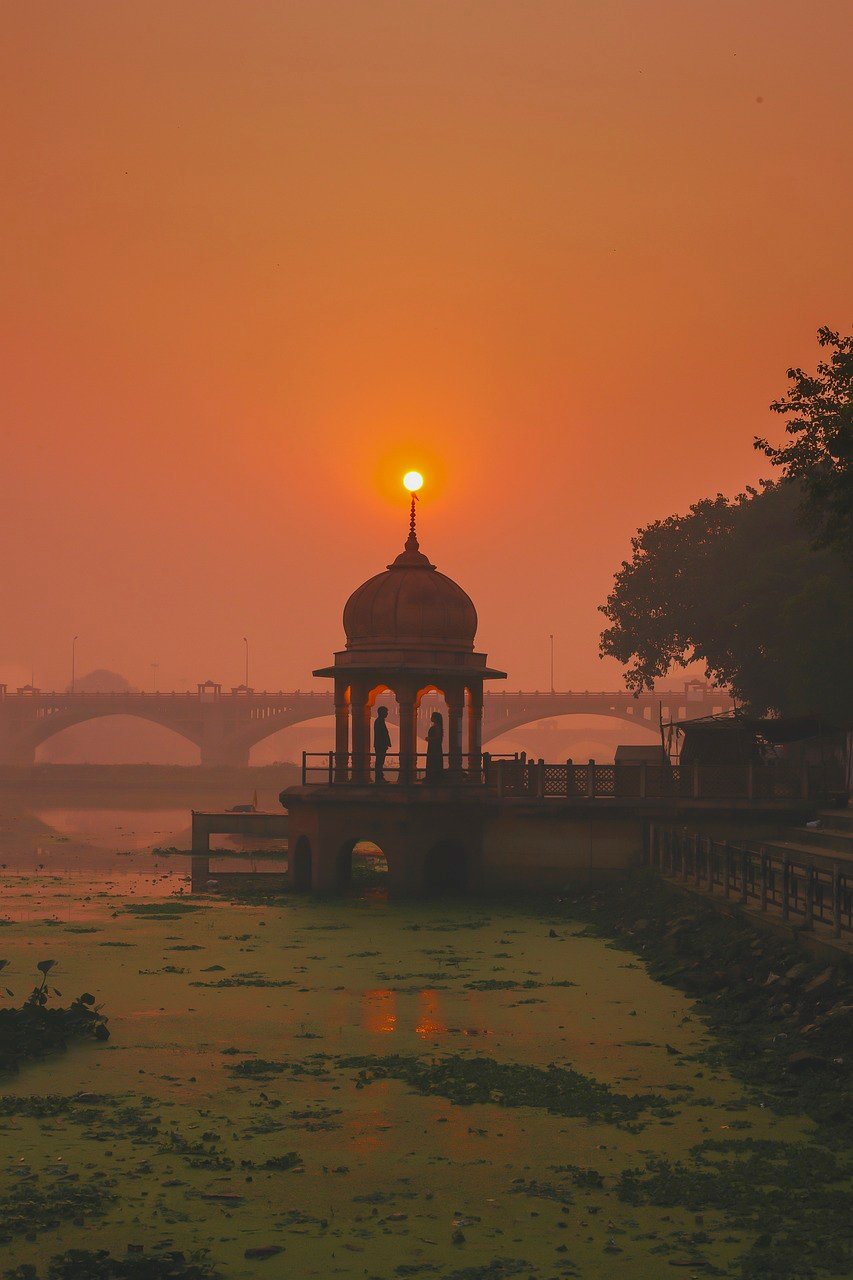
point(225, 725)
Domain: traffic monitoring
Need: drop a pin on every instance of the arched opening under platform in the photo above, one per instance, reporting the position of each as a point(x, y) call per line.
point(360, 864)
point(447, 869)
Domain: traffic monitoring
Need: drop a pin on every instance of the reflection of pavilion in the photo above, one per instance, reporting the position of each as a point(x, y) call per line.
point(410, 631)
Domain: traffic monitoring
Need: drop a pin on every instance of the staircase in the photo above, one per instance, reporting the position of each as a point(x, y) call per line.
point(833, 839)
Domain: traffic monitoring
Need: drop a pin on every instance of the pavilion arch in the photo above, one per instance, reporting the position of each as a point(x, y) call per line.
point(447, 868)
point(302, 865)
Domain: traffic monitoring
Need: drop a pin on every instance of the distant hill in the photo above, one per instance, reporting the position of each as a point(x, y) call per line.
point(101, 681)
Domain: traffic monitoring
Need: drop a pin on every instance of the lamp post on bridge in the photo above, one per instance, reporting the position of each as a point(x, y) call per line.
point(154, 666)
point(73, 663)
point(552, 663)
point(246, 643)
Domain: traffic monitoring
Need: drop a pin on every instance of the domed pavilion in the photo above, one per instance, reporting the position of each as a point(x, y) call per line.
point(409, 630)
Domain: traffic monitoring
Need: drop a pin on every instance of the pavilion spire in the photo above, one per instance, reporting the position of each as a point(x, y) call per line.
point(412, 543)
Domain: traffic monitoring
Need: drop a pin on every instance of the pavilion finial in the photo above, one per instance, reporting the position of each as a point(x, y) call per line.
point(413, 480)
point(412, 543)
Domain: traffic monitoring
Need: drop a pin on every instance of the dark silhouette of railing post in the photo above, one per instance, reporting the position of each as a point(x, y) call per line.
point(808, 922)
point(764, 879)
point(836, 900)
point(590, 779)
point(786, 888)
point(727, 868)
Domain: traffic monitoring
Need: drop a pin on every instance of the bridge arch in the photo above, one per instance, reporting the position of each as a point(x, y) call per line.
point(49, 728)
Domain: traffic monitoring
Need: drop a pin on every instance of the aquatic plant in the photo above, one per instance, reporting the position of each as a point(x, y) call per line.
point(782, 1018)
point(794, 1198)
point(37, 1029)
point(86, 1264)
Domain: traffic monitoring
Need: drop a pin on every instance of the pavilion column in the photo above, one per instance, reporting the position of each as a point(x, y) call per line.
point(408, 736)
point(475, 733)
point(342, 708)
point(455, 707)
point(360, 708)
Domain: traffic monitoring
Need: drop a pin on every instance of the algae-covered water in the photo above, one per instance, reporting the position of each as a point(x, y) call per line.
point(374, 1089)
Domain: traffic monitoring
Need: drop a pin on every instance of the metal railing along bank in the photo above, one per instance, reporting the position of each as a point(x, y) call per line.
point(521, 777)
point(808, 888)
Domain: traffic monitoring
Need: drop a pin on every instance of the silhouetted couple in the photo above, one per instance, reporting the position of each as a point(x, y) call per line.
point(435, 746)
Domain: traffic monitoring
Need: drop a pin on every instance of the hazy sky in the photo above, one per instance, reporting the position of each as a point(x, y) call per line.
point(259, 257)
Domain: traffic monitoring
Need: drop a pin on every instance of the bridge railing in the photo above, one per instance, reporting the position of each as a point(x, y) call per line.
point(757, 781)
point(810, 888)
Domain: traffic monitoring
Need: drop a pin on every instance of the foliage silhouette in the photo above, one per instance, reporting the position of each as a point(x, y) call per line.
point(737, 584)
point(819, 409)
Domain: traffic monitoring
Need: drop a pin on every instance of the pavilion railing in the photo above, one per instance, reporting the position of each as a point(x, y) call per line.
point(807, 888)
point(328, 768)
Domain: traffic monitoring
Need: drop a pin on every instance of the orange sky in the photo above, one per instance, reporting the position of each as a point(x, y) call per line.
point(259, 256)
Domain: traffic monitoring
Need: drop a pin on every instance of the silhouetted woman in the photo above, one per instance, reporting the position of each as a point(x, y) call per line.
point(435, 748)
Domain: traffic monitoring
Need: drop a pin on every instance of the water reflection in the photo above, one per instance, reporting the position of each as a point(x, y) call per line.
point(430, 1022)
point(118, 829)
point(95, 848)
point(379, 1011)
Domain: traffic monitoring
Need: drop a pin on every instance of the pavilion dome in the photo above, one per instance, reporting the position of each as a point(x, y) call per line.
point(410, 606)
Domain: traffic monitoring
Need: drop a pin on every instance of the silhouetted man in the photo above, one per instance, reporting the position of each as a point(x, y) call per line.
point(381, 742)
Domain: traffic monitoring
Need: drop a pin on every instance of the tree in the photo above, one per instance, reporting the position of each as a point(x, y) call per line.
point(819, 410)
point(737, 584)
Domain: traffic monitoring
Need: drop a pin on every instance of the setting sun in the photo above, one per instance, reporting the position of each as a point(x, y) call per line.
point(413, 480)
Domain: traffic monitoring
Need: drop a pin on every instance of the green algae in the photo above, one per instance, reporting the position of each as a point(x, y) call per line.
point(290, 1160)
point(245, 980)
point(41, 1202)
point(85, 1264)
point(228, 1126)
point(782, 1020)
point(467, 1081)
point(793, 1197)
